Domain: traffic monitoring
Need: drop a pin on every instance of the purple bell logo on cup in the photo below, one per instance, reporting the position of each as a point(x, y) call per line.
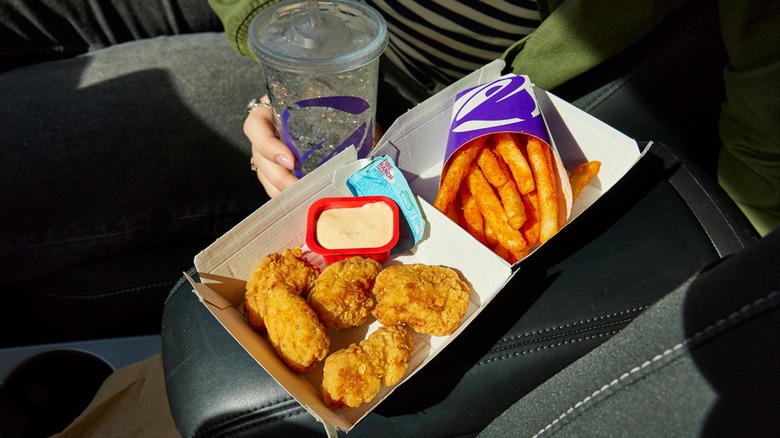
point(345, 108)
point(320, 61)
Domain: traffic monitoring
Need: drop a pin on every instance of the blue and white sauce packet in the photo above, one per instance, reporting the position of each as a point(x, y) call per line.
point(381, 177)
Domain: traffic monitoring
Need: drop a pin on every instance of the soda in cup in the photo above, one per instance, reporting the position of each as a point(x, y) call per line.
point(320, 61)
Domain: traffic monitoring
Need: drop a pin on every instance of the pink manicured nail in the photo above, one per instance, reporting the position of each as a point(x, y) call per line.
point(284, 162)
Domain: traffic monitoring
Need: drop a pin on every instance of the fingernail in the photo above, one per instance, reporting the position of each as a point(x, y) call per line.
point(284, 162)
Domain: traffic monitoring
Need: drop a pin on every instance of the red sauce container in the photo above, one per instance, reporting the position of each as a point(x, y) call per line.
point(379, 253)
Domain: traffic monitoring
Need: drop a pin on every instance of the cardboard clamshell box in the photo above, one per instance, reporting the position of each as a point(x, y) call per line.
point(416, 143)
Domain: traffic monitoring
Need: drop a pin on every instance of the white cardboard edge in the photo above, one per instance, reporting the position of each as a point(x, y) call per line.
point(279, 224)
point(443, 238)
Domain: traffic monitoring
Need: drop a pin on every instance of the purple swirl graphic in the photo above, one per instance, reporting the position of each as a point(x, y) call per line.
point(348, 104)
point(504, 105)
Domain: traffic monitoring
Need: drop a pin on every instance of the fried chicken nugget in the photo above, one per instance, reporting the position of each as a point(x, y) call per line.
point(294, 329)
point(390, 348)
point(347, 382)
point(354, 375)
point(342, 293)
point(289, 268)
point(430, 299)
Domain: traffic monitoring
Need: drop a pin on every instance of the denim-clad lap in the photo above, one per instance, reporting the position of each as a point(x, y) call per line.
point(133, 143)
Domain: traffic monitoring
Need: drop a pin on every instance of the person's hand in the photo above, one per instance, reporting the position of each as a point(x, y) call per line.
point(271, 158)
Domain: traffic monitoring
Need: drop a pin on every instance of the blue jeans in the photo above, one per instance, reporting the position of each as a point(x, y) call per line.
point(44, 30)
point(123, 154)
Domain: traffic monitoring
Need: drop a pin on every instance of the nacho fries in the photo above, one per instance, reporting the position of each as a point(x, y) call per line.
point(503, 188)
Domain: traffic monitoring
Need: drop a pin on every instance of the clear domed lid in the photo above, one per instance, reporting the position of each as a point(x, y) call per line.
point(325, 36)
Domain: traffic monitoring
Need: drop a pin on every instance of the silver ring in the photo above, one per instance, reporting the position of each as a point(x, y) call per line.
point(256, 102)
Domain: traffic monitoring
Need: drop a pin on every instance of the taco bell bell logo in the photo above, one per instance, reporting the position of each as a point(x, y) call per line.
point(506, 104)
point(342, 107)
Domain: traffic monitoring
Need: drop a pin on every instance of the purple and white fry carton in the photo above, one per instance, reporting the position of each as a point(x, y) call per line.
point(506, 104)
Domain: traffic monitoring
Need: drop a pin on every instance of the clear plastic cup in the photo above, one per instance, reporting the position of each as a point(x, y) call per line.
point(321, 68)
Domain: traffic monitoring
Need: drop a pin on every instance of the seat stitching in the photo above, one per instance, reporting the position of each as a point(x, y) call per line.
point(112, 293)
point(283, 409)
point(548, 346)
point(575, 324)
point(672, 353)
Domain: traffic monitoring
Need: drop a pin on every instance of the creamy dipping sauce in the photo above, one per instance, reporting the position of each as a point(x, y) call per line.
point(367, 226)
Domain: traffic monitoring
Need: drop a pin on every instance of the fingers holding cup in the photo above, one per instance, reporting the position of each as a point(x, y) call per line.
point(271, 158)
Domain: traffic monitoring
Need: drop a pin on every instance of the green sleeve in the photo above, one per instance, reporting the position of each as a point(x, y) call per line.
point(749, 164)
point(235, 16)
point(575, 36)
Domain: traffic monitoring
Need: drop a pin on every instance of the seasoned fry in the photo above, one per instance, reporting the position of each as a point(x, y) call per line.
point(508, 199)
point(504, 253)
point(490, 236)
point(582, 175)
point(508, 255)
point(530, 228)
point(475, 223)
point(510, 151)
point(540, 159)
point(489, 166)
point(459, 166)
point(493, 212)
point(455, 212)
point(501, 179)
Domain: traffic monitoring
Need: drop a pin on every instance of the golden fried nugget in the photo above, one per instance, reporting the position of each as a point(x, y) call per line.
point(289, 268)
point(341, 296)
point(354, 375)
point(346, 381)
point(254, 308)
point(294, 329)
point(390, 349)
point(430, 299)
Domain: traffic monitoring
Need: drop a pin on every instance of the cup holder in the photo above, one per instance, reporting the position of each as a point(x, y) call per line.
point(46, 392)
